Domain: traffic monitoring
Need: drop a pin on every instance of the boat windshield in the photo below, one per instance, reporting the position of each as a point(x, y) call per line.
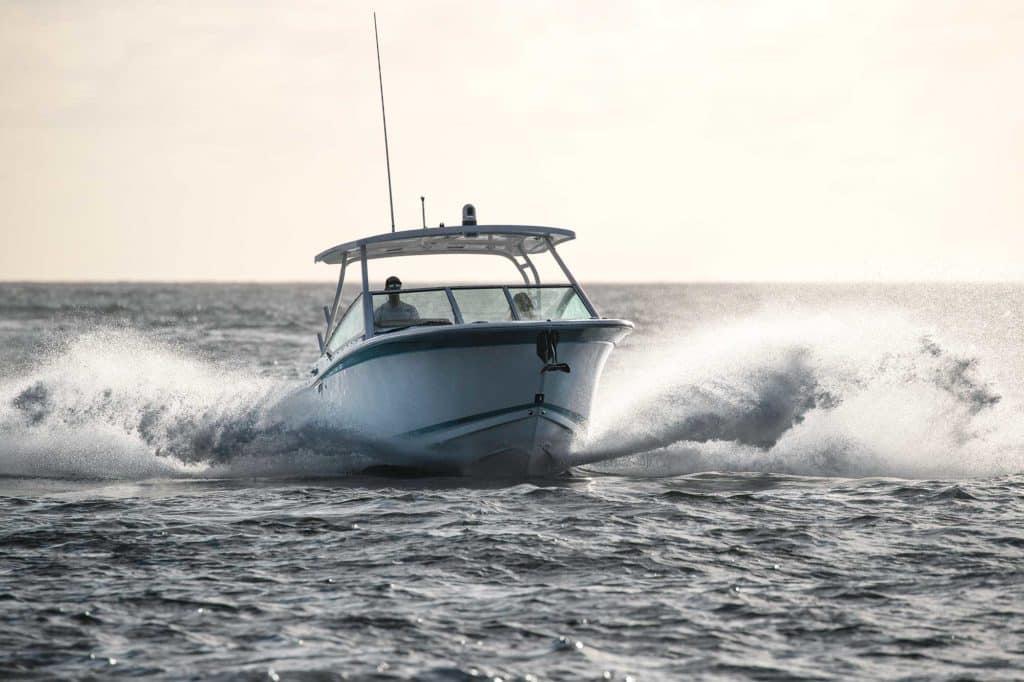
point(468, 304)
point(350, 328)
point(548, 303)
point(411, 308)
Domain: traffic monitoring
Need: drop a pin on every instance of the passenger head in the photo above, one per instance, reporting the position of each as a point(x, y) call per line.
point(393, 284)
point(524, 306)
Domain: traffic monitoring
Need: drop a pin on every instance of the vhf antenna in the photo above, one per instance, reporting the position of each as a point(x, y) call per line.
point(387, 155)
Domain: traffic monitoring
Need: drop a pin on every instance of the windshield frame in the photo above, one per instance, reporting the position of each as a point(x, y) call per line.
point(505, 288)
point(365, 299)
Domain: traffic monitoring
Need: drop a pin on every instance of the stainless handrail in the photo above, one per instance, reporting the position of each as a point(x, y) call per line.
point(461, 287)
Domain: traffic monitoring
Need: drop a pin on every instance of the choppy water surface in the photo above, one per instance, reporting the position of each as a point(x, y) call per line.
point(819, 482)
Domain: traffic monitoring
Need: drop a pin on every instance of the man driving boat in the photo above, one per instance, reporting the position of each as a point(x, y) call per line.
point(394, 311)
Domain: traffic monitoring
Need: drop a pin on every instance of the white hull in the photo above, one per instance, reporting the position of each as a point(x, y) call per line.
point(471, 399)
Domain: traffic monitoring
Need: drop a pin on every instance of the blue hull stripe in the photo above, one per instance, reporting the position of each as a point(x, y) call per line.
point(475, 338)
point(481, 416)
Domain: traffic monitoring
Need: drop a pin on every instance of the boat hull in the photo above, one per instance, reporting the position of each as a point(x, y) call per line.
point(473, 399)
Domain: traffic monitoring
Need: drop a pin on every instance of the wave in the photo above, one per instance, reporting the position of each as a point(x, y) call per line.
point(115, 404)
point(843, 394)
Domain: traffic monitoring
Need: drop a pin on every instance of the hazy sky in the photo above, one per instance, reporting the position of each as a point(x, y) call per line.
point(232, 140)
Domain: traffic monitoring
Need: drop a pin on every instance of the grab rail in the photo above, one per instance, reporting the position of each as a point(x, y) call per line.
point(481, 287)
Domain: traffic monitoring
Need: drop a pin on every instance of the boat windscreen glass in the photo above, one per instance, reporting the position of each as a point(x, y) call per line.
point(548, 303)
point(483, 305)
point(350, 328)
point(401, 309)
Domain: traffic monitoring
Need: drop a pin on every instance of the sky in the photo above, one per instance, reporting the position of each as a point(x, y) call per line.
point(868, 140)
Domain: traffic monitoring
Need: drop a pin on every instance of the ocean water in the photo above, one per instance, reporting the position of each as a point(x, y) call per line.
point(791, 481)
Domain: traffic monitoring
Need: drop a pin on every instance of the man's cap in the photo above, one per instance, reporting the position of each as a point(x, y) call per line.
point(393, 283)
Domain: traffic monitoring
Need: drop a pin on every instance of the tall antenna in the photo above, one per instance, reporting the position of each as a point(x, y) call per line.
point(387, 155)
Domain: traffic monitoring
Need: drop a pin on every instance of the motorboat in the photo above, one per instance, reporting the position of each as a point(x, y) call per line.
point(465, 379)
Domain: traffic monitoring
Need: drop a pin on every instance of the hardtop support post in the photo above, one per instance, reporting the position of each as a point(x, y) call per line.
point(572, 280)
point(536, 277)
point(367, 300)
point(522, 272)
point(521, 268)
